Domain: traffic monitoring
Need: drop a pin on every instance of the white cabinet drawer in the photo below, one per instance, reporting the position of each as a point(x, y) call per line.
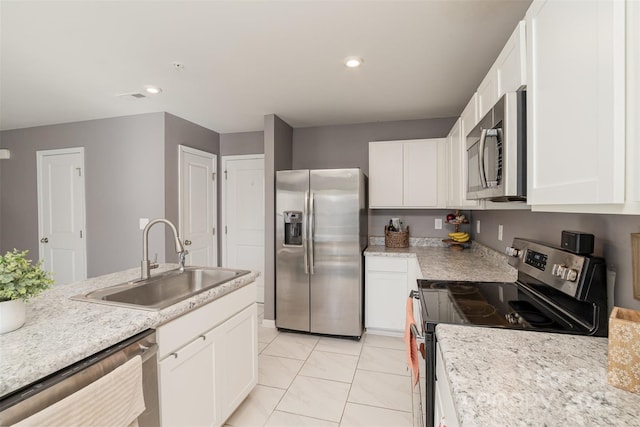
point(176, 333)
point(387, 264)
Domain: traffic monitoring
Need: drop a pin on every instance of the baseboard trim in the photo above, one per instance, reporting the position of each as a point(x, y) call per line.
point(268, 323)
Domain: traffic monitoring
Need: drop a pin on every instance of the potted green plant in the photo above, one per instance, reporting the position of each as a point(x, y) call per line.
point(19, 281)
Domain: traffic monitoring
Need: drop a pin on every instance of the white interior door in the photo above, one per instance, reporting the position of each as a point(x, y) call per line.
point(197, 177)
point(243, 215)
point(61, 213)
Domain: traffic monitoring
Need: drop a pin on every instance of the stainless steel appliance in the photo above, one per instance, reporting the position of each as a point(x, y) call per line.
point(37, 396)
point(556, 291)
point(496, 152)
point(321, 233)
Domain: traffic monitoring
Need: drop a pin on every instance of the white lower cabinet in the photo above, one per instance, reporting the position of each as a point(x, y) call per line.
point(209, 360)
point(387, 285)
point(445, 410)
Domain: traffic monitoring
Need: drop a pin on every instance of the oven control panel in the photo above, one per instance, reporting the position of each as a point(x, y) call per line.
point(536, 259)
point(552, 266)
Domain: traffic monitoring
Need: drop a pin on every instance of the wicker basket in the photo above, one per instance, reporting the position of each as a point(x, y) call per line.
point(624, 351)
point(396, 239)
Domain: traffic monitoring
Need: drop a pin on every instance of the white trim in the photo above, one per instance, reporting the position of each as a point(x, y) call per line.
point(39, 157)
point(268, 323)
point(182, 149)
point(223, 198)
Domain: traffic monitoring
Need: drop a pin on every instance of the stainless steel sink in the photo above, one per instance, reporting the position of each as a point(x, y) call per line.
point(163, 289)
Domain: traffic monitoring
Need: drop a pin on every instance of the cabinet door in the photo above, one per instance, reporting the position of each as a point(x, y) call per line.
point(386, 300)
point(487, 92)
point(385, 174)
point(575, 102)
point(187, 385)
point(457, 172)
point(420, 173)
point(511, 63)
point(469, 116)
point(425, 173)
point(236, 361)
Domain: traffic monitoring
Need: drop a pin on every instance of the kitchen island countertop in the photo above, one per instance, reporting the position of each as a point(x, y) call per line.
point(479, 263)
point(60, 331)
point(521, 378)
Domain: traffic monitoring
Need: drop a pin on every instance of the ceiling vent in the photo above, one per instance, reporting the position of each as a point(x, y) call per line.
point(132, 96)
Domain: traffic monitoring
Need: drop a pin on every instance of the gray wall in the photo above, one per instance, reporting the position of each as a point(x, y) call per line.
point(347, 146)
point(235, 144)
point(124, 165)
point(178, 131)
point(612, 240)
point(278, 154)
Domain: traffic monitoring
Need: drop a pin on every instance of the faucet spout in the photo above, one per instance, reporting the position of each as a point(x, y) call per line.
point(145, 265)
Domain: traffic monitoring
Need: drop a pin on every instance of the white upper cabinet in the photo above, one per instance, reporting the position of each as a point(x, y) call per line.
point(457, 171)
point(469, 116)
point(511, 65)
point(576, 102)
point(407, 174)
point(487, 92)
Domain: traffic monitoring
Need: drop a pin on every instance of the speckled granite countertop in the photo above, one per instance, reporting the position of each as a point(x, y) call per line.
point(60, 331)
point(516, 378)
point(479, 263)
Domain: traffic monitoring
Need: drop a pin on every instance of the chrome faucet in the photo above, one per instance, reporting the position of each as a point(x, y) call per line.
point(146, 265)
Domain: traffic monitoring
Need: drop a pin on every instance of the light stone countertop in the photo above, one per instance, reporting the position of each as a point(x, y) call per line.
point(437, 262)
point(60, 331)
point(511, 378)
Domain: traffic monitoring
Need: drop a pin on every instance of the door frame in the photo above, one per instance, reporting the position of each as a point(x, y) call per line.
point(223, 199)
point(40, 154)
point(182, 149)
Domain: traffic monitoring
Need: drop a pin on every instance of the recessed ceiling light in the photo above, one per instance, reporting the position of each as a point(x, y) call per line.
point(154, 90)
point(353, 62)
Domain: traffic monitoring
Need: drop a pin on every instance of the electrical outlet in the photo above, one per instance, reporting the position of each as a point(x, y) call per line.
point(438, 224)
point(500, 230)
point(478, 226)
point(143, 223)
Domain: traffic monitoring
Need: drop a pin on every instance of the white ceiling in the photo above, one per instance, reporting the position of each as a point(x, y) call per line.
point(64, 61)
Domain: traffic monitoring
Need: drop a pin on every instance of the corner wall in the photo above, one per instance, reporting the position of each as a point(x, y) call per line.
point(278, 154)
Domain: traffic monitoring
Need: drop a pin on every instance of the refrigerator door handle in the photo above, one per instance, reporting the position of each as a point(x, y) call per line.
point(311, 232)
point(304, 232)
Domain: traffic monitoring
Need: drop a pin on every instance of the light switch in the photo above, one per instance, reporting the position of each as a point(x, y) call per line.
point(500, 230)
point(438, 224)
point(478, 226)
point(143, 223)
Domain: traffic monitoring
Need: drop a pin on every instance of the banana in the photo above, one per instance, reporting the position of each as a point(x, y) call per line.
point(462, 239)
point(458, 234)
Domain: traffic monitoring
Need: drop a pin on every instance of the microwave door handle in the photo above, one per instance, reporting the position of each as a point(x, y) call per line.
point(305, 244)
point(483, 142)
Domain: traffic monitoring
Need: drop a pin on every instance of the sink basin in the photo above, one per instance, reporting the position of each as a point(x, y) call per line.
point(164, 289)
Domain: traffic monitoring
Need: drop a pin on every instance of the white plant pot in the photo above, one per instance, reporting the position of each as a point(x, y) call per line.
point(13, 313)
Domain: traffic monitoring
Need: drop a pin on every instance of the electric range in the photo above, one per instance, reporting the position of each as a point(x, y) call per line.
point(556, 291)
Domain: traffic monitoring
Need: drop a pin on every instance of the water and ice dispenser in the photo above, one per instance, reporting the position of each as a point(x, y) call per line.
point(292, 228)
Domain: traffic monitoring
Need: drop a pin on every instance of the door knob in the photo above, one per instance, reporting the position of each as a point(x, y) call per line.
point(187, 242)
point(44, 240)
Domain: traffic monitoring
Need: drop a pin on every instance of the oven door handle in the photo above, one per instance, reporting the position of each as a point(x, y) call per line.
point(414, 329)
point(416, 334)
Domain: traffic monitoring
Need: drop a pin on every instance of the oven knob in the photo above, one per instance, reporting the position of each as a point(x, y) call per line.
point(556, 270)
point(570, 274)
point(511, 251)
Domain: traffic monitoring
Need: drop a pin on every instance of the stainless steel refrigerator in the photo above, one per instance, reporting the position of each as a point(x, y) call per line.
point(321, 233)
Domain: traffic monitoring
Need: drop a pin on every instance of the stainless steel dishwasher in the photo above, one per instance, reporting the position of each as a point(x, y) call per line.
point(41, 394)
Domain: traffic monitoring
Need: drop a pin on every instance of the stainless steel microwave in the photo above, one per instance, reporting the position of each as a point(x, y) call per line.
point(497, 150)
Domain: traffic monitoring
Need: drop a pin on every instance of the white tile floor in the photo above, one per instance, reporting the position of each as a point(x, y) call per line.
point(306, 380)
